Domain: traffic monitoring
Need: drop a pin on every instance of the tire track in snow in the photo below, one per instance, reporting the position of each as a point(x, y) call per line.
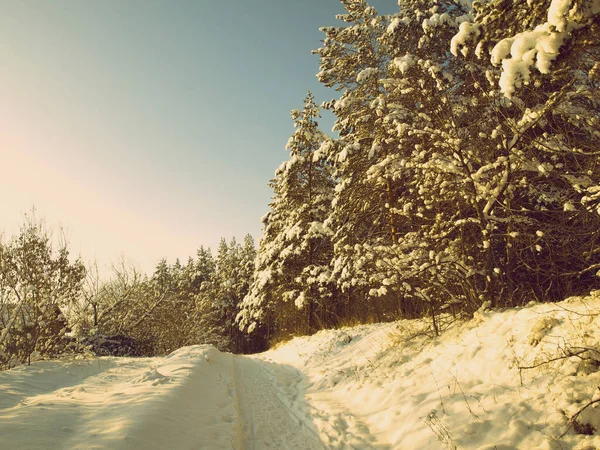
point(275, 411)
point(266, 420)
point(241, 435)
point(197, 397)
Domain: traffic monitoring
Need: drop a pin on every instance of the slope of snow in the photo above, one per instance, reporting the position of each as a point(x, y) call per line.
point(503, 380)
point(469, 388)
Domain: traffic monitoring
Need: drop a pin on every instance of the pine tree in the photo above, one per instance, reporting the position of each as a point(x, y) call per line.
point(400, 90)
point(205, 267)
point(290, 289)
point(218, 302)
point(355, 59)
point(542, 214)
point(438, 114)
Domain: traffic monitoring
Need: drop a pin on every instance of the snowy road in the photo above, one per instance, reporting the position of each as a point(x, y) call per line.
point(271, 407)
point(195, 398)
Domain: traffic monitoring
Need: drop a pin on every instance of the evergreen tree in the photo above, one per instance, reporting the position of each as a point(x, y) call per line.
point(218, 302)
point(542, 214)
point(399, 90)
point(204, 269)
point(291, 290)
point(438, 114)
point(355, 59)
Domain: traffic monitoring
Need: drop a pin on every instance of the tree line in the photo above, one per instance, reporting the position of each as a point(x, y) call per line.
point(51, 304)
point(465, 170)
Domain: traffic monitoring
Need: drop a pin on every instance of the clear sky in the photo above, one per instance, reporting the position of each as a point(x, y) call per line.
point(147, 128)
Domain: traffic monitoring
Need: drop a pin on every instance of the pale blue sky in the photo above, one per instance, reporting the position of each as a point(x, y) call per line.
point(148, 128)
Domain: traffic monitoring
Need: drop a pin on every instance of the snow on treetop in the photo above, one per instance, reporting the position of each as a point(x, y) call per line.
point(366, 74)
point(532, 48)
point(405, 62)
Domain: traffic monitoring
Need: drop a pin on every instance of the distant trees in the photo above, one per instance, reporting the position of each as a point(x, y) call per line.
point(50, 304)
point(221, 295)
point(178, 305)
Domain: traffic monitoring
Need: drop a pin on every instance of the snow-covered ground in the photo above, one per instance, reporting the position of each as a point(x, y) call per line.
point(500, 381)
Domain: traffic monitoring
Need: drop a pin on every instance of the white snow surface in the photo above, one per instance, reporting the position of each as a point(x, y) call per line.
point(383, 386)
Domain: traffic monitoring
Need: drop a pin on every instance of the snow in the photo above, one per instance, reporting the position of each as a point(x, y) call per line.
point(466, 31)
point(436, 20)
point(396, 22)
point(367, 73)
point(405, 62)
point(502, 380)
point(540, 46)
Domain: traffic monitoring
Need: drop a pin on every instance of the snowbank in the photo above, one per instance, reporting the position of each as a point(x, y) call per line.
point(501, 380)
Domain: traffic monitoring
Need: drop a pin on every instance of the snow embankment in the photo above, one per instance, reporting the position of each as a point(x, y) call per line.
point(504, 380)
point(116, 402)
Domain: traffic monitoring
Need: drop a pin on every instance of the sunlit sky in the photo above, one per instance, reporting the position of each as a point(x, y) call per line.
point(147, 128)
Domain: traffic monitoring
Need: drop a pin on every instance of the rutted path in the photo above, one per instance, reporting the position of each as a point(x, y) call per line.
point(371, 387)
point(195, 398)
point(278, 412)
point(272, 413)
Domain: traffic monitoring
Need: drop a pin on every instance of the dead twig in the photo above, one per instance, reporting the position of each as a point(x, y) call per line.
point(558, 358)
point(574, 417)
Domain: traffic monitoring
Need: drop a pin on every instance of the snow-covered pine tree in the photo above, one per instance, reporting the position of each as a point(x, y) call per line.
point(406, 99)
point(354, 59)
point(440, 108)
point(205, 267)
point(290, 292)
point(428, 113)
point(170, 311)
point(215, 302)
point(543, 210)
point(200, 282)
point(218, 302)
